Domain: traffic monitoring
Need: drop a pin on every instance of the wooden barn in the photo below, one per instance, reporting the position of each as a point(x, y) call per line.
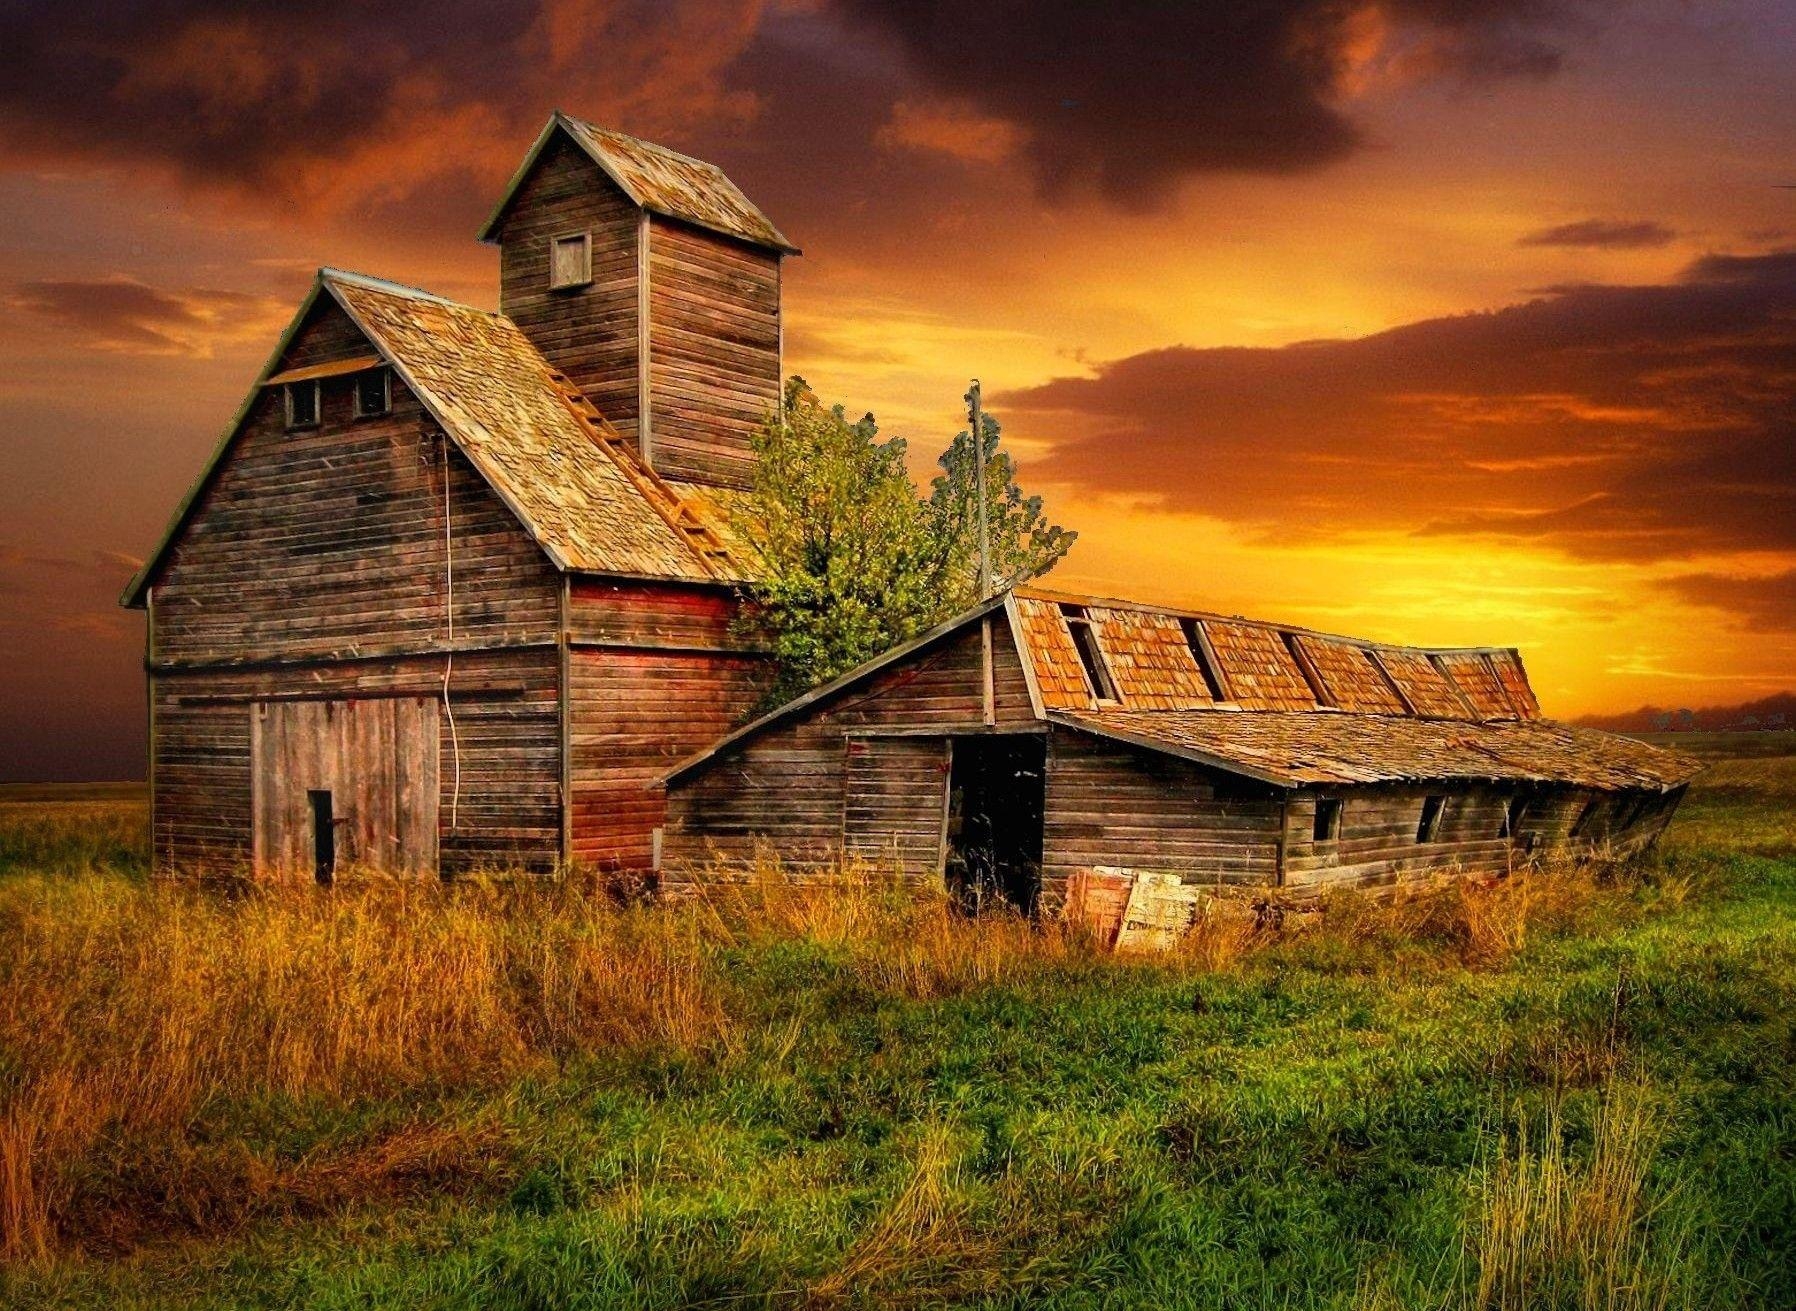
point(1042, 736)
point(451, 590)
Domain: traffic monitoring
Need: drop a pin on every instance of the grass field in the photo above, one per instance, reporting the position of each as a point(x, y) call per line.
point(1576, 1090)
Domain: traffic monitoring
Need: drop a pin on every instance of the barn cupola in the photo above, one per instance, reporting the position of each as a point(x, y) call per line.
point(653, 284)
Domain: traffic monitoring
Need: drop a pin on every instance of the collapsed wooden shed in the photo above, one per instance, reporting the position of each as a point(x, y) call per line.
point(453, 588)
point(1042, 734)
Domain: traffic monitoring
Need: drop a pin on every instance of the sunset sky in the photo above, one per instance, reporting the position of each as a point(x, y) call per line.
point(1448, 321)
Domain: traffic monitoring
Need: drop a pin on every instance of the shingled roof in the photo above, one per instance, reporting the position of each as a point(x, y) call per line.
point(1286, 705)
point(657, 179)
point(1297, 748)
point(580, 490)
point(1153, 655)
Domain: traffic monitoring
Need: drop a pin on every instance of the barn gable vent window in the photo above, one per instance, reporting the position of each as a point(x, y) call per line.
point(302, 404)
point(1327, 825)
point(1430, 827)
point(1091, 656)
point(1205, 658)
point(570, 260)
point(373, 393)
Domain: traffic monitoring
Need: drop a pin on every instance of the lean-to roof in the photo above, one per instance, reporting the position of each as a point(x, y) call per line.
point(1298, 748)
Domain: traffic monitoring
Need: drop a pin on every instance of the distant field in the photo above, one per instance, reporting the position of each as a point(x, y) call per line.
point(1577, 1089)
point(1727, 746)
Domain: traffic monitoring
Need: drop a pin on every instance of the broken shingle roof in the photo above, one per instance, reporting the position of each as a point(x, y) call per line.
point(1297, 748)
point(1152, 660)
point(659, 180)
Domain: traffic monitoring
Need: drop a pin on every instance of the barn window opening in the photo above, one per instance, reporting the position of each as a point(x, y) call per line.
point(1300, 657)
point(1430, 827)
point(373, 393)
point(570, 261)
point(324, 836)
point(1091, 656)
point(1586, 817)
point(1206, 664)
point(1327, 825)
point(302, 404)
point(1514, 812)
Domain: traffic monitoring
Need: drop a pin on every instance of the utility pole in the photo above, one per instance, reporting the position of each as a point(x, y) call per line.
point(978, 434)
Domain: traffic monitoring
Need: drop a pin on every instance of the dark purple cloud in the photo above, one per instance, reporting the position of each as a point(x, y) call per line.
point(1643, 422)
point(1131, 97)
point(265, 101)
point(1765, 604)
point(1603, 234)
point(125, 314)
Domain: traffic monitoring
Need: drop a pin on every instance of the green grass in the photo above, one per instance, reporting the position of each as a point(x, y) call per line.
point(1349, 1117)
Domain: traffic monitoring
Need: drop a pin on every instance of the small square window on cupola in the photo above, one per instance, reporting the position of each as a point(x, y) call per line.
point(302, 403)
point(373, 392)
point(570, 260)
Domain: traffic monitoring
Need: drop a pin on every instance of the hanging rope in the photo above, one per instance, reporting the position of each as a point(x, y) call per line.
point(449, 656)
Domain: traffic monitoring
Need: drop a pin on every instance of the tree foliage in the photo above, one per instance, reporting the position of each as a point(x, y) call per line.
point(851, 561)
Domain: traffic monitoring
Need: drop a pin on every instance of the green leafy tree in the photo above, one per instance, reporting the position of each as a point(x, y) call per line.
point(1023, 544)
point(850, 560)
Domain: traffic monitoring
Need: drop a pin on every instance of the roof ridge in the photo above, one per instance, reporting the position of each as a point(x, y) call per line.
point(1031, 592)
point(368, 280)
point(656, 146)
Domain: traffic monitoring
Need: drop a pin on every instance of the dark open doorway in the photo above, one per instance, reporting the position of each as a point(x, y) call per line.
point(995, 808)
point(324, 836)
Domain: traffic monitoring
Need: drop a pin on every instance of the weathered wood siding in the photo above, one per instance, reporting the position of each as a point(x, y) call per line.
point(589, 333)
point(314, 563)
point(786, 786)
point(895, 803)
point(1112, 804)
point(714, 351)
point(655, 674)
point(330, 540)
point(1377, 842)
point(503, 810)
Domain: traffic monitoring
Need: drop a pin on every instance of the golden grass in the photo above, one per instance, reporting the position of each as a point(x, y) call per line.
point(1555, 1229)
point(130, 1007)
point(133, 1007)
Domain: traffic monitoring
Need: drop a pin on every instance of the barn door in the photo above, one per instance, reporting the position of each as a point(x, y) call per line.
point(338, 785)
point(893, 799)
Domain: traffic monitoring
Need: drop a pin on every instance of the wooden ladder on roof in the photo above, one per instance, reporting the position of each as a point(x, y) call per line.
point(681, 515)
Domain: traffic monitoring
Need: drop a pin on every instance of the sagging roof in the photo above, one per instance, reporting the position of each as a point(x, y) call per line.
point(657, 179)
point(1285, 705)
point(1297, 748)
point(579, 489)
point(1158, 659)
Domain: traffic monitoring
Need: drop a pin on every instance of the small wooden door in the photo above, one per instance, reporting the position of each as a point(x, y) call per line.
point(344, 784)
point(893, 799)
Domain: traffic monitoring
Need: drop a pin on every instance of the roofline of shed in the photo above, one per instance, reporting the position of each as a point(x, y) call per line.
point(1054, 596)
point(558, 119)
point(797, 703)
point(1066, 719)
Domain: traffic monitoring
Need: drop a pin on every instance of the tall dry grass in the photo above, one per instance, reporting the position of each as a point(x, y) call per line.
point(1555, 1229)
point(897, 936)
point(129, 1008)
